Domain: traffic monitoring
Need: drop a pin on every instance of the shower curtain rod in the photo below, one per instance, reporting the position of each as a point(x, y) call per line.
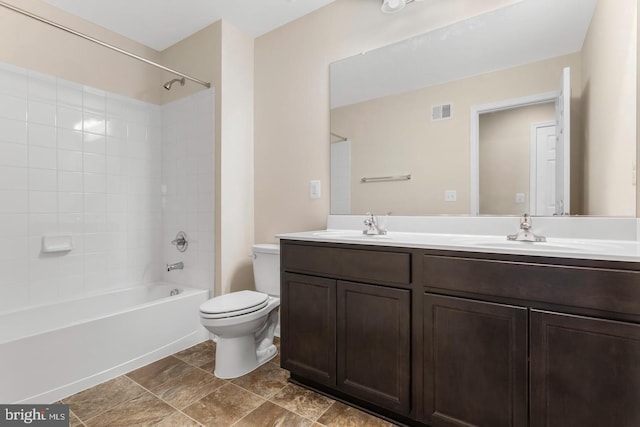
point(101, 43)
point(340, 137)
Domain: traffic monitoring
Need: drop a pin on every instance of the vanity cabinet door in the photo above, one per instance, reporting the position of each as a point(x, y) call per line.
point(308, 322)
point(475, 363)
point(584, 371)
point(374, 343)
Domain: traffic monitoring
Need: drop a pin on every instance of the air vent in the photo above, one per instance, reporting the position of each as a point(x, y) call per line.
point(441, 112)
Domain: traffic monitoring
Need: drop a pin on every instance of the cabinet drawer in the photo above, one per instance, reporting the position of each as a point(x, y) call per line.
point(352, 264)
point(592, 288)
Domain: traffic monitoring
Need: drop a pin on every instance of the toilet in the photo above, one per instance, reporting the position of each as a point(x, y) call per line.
point(244, 322)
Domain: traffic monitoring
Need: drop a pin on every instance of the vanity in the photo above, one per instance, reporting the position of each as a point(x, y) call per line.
point(462, 330)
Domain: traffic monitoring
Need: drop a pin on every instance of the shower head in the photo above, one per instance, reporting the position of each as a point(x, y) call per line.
point(170, 83)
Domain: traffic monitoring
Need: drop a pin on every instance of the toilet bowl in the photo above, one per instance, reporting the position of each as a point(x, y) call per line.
point(244, 322)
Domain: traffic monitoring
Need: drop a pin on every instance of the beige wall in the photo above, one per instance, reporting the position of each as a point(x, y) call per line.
point(31, 44)
point(223, 55)
point(395, 135)
point(504, 149)
point(292, 99)
point(610, 97)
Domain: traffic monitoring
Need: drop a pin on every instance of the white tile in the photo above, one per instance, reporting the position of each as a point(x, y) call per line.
point(13, 82)
point(15, 273)
point(95, 183)
point(116, 105)
point(95, 203)
point(95, 222)
point(14, 201)
point(116, 165)
point(115, 184)
point(69, 118)
point(42, 158)
point(42, 136)
point(70, 139)
point(96, 103)
point(43, 202)
point(13, 131)
point(40, 224)
point(70, 202)
point(94, 163)
point(96, 242)
point(42, 112)
point(14, 224)
point(14, 178)
point(116, 203)
point(137, 132)
point(69, 94)
point(94, 143)
point(13, 108)
point(116, 128)
point(116, 146)
point(42, 88)
point(43, 180)
point(72, 265)
point(70, 223)
point(93, 123)
point(70, 181)
point(70, 160)
point(95, 262)
point(70, 285)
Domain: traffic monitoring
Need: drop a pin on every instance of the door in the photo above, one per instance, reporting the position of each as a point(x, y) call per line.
point(308, 322)
point(543, 169)
point(563, 144)
point(584, 371)
point(341, 177)
point(475, 363)
point(374, 344)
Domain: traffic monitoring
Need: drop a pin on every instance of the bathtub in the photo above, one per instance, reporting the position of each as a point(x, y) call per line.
point(50, 352)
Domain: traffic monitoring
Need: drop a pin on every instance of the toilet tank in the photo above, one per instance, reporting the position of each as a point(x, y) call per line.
point(266, 268)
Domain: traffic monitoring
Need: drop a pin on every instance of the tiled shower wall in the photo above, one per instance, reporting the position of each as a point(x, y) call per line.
point(188, 178)
point(81, 162)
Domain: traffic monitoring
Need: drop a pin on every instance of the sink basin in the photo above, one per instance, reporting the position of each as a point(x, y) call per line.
point(563, 246)
point(350, 235)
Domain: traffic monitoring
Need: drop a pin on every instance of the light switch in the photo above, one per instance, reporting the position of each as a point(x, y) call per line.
point(450, 196)
point(314, 189)
point(519, 198)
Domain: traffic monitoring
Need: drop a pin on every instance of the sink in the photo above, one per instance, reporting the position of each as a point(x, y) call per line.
point(563, 246)
point(350, 235)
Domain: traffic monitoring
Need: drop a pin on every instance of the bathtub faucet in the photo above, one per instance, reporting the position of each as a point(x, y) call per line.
point(176, 266)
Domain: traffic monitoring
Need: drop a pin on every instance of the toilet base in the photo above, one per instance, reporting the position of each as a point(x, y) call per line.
point(238, 356)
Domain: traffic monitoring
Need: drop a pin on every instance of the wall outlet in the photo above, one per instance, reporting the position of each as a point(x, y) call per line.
point(519, 198)
point(314, 189)
point(450, 196)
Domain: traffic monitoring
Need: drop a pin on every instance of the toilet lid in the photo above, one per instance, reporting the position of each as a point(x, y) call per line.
point(231, 304)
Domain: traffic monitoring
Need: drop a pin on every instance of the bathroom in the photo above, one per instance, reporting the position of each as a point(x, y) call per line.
point(252, 183)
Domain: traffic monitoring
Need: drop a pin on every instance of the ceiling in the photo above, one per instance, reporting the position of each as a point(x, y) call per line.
point(162, 23)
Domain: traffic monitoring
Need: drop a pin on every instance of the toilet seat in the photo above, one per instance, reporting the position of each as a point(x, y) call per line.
point(233, 304)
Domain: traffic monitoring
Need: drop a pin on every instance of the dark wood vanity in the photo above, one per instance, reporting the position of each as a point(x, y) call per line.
point(454, 338)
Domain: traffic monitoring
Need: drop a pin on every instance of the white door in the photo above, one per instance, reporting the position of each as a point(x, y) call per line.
point(543, 170)
point(563, 145)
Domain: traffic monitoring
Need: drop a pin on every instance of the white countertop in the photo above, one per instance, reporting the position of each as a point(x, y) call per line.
point(596, 249)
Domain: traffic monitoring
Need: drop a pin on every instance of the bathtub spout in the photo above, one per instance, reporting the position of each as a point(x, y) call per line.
point(176, 266)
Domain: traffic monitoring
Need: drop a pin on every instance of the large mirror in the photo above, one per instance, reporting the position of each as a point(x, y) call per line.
point(530, 108)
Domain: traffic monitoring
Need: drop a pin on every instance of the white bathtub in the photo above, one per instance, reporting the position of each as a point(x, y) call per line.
point(52, 351)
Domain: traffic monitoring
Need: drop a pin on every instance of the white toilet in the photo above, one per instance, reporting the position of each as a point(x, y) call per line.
point(244, 322)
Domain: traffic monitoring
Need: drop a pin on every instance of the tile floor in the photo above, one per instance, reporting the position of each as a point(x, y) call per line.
point(181, 391)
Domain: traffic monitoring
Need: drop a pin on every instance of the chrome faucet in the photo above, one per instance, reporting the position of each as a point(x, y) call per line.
point(526, 234)
point(176, 266)
point(371, 226)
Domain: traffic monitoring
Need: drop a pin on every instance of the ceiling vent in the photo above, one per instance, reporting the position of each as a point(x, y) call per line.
point(441, 112)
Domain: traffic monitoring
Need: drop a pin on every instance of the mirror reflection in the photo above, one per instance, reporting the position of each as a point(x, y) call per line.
point(531, 108)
